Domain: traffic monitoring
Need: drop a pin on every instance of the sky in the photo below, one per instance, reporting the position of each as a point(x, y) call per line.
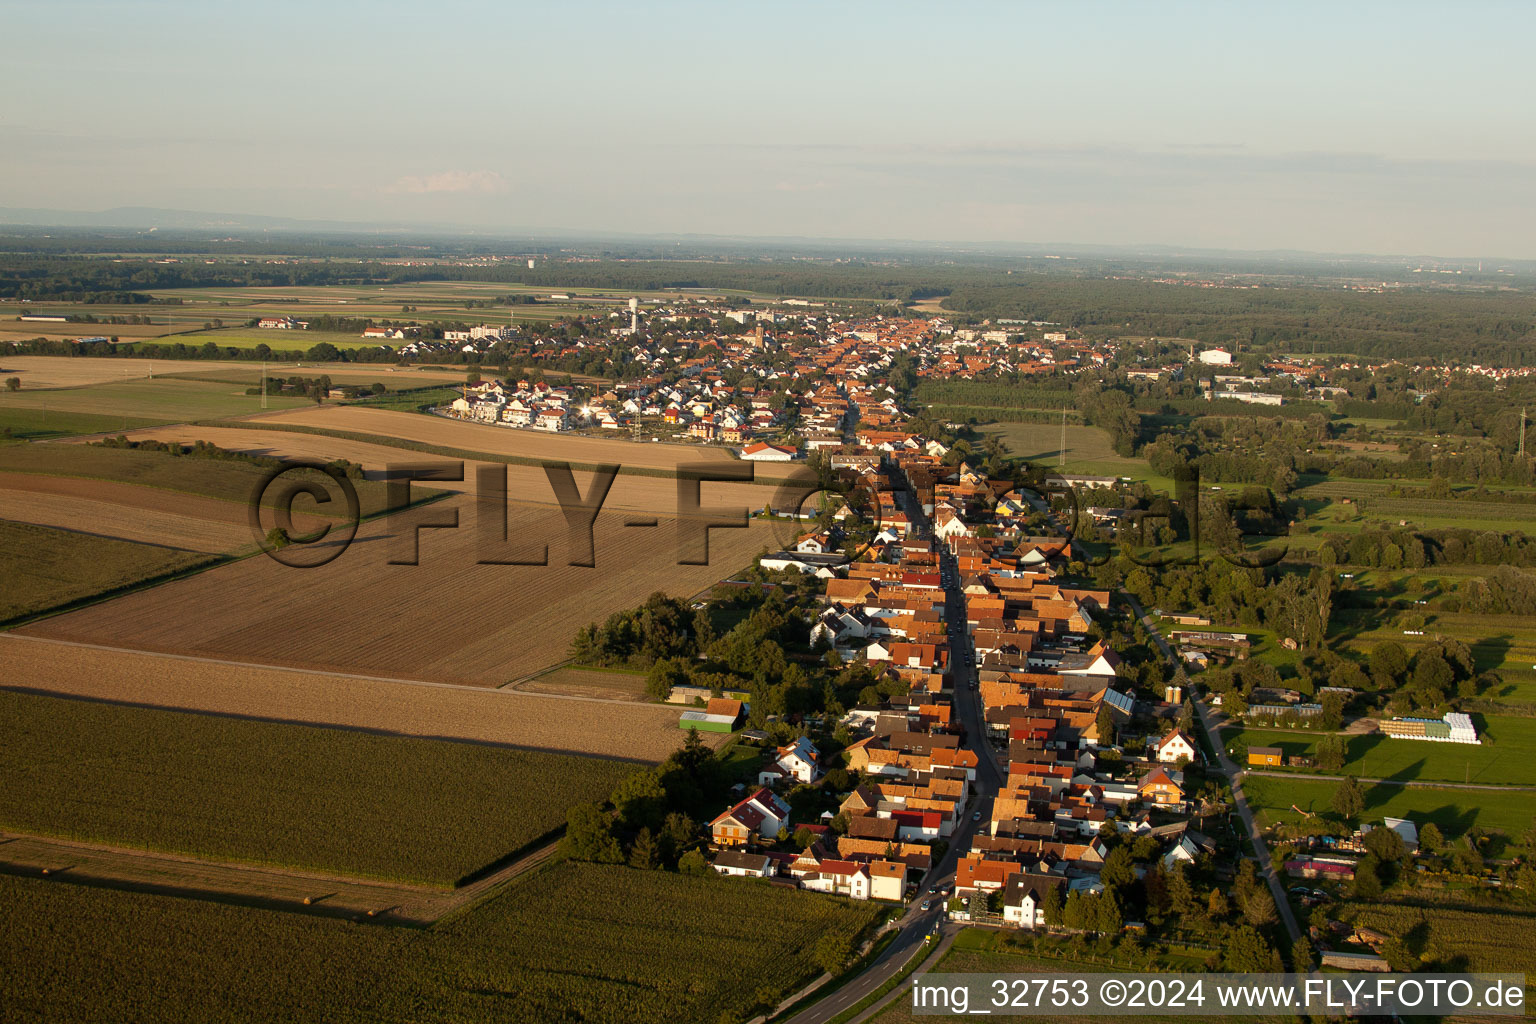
point(1399, 128)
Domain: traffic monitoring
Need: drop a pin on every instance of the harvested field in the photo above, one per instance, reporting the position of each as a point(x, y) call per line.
point(386, 705)
point(46, 568)
point(63, 372)
point(587, 682)
point(445, 619)
point(231, 789)
point(128, 512)
point(533, 444)
point(214, 488)
point(653, 495)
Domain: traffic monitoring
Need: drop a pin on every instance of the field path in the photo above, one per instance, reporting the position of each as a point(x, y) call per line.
point(391, 706)
point(263, 886)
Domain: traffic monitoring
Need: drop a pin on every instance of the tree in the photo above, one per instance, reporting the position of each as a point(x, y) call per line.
point(1181, 895)
point(692, 863)
point(1052, 906)
point(589, 835)
point(1367, 878)
point(1104, 726)
point(1330, 752)
point(1118, 868)
point(1430, 838)
point(13, 383)
point(277, 538)
point(665, 675)
point(1108, 918)
point(1259, 907)
point(644, 854)
point(1301, 956)
point(1386, 844)
point(1217, 906)
point(1245, 951)
point(640, 799)
point(1348, 801)
point(832, 952)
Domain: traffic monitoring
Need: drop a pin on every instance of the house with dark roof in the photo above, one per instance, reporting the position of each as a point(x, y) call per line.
point(762, 813)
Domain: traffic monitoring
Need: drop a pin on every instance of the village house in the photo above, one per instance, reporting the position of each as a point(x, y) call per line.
point(762, 814)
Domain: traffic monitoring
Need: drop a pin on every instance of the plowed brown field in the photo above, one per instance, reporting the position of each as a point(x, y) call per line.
point(613, 729)
point(111, 509)
point(447, 619)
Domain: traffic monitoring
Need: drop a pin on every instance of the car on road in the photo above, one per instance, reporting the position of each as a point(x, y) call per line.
point(975, 815)
point(927, 904)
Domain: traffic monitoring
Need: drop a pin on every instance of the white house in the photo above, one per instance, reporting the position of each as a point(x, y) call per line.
point(1174, 746)
point(798, 761)
point(1024, 898)
point(741, 864)
point(1216, 357)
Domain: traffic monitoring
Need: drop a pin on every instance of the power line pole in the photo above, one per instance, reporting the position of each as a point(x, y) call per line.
point(1062, 459)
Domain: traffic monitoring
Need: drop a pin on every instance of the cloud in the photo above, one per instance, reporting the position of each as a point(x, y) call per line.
point(465, 182)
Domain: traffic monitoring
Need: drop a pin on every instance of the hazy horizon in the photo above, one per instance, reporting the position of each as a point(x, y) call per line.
point(1378, 129)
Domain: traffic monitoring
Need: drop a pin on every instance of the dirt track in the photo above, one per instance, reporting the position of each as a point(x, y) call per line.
point(388, 705)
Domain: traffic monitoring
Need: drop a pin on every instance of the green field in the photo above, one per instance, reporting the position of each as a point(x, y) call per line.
point(1507, 755)
point(125, 404)
point(46, 568)
point(1505, 644)
point(570, 943)
point(1453, 810)
point(1088, 451)
point(278, 341)
point(352, 803)
point(233, 479)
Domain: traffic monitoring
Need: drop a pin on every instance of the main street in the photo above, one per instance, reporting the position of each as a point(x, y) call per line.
point(916, 924)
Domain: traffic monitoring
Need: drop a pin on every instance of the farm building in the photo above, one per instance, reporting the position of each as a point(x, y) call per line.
point(1269, 757)
point(1453, 728)
point(1354, 961)
point(706, 722)
point(1337, 868)
point(764, 452)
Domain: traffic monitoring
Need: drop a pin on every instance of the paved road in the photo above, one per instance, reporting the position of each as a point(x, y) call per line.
point(1234, 779)
point(1240, 801)
point(916, 924)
